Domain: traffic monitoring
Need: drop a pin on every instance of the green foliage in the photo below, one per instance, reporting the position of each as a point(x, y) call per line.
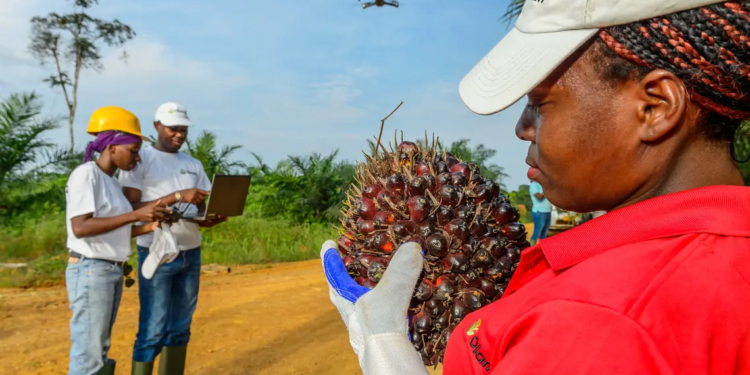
point(72, 42)
point(742, 151)
point(522, 197)
point(513, 11)
point(214, 161)
point(300, 189)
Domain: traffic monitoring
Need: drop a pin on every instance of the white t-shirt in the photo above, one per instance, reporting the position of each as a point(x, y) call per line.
point(160, 174)
point(90, 190)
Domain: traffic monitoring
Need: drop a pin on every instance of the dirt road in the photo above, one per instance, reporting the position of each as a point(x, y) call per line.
point(275, 320)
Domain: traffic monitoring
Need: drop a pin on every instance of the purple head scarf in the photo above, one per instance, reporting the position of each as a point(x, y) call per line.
point(107, 138)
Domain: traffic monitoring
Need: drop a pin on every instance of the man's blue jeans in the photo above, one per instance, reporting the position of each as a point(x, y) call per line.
point(94, 291)
point(542, 221)
point(168, 302)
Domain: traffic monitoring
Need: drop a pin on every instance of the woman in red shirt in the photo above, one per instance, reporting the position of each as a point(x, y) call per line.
point(633, 106)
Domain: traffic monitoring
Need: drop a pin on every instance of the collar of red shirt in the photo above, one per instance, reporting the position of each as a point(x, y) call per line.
point(721, 210)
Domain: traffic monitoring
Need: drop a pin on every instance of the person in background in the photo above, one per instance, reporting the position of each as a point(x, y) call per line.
point(169, 299)
point(541, 212)
point(99, 226)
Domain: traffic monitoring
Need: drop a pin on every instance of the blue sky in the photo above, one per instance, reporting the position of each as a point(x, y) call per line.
point(286, 77)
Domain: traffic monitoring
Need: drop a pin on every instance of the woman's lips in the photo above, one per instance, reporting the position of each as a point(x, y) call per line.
point(533, 173)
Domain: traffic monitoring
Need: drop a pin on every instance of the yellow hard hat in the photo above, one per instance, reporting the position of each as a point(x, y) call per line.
point(114, 118)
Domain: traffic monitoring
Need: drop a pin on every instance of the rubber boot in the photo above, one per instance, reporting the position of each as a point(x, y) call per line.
point(108, 368)
point(142, 368)
point(172, 360)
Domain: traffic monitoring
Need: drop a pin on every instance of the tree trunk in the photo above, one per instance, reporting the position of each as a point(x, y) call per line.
point(71, 119)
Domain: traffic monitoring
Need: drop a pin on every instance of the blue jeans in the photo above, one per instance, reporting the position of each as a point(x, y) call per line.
point(168, 302)
point(94, 291)
point(542, 221)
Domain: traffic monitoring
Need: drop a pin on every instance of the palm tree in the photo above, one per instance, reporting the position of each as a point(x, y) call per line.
point(21, 130)
point(214, 161)
point(513, 10)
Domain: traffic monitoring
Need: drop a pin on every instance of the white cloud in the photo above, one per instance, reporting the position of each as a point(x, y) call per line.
point(153, 73)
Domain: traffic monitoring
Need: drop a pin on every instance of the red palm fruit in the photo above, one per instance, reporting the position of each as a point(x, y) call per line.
point(483, 194)
point(382, 241)
point(419, 240)
point(451, 161)
point(458, 179)
point(466, 211)
point(396, 184)
point(425, 290)
point(366, 259)
point(458, 310)
point(423, 168)
point(384, 218)
point(487, 287)
point(371, 191)
point(404, 228)
point(514, 253)
point(463, 168)
point(478, 226)
point(419, 208)
point(365, 226)
point(386, 200)
point(470, 279)
point(366, 208)
point(425, 229)
point(514, 231)
point(457, 228)
point(408, 148)
point(444, 215)
point(444, 179)
point(431, 182)
point(417, 186)
point(493, 187)
point(504, 214)
point(442, 322)
point(434, 308)
point(422, 322)
point(437, 245)
point(474, 298)
point(349, 263)
point(449, 195)
point(470, 246)
point(482, 259)
point(376, 269)
point(444, 289)
point(369, 284)
point(442, 167)
point(456, 262)
point(345, 243)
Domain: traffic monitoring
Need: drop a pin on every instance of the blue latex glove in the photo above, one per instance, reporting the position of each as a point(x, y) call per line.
point(376, 319)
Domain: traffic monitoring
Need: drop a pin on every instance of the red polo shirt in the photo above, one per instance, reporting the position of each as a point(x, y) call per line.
point(658, 287)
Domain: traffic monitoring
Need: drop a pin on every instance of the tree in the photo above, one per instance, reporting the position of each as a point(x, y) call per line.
point(214, 161)
point(742, 151)
point(513, 11)
point(21, 130)
point(72, 42)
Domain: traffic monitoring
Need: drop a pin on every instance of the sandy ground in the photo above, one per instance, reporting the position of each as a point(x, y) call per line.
point(253, 320)
point(275, 320)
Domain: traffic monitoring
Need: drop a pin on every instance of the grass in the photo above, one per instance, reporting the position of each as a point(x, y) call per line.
point(242, 240)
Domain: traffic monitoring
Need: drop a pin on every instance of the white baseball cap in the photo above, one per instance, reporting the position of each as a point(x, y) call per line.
point(172, 114)
point(548, 32)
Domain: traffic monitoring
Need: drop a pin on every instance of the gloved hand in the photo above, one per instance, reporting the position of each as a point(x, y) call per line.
point(376, 319)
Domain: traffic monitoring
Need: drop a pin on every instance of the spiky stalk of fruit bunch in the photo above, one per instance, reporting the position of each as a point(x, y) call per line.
point(468, 229)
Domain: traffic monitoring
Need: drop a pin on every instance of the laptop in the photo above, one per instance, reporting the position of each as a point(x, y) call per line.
point(227, 198)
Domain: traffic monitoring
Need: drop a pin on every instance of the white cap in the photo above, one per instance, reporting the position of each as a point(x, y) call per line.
point(546, 33)
point(172, 114)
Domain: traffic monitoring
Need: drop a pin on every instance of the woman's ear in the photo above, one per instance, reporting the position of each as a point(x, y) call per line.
point(663, 104)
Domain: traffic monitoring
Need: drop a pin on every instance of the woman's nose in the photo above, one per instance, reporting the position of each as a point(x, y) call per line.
point(525, 127)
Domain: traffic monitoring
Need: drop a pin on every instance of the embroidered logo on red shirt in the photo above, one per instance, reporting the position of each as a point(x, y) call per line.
point(477, 348)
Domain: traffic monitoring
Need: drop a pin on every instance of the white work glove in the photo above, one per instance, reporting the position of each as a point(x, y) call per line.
point(376, 319)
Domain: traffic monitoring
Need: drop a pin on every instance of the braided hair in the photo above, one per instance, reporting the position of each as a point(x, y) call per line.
point(708, 48)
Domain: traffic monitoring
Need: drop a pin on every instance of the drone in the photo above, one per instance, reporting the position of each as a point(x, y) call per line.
point(379, 3)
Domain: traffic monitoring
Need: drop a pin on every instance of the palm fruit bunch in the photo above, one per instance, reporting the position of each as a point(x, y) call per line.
point(469, 231)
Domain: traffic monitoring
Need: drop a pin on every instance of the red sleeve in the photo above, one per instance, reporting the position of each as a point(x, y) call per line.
point(564, 337)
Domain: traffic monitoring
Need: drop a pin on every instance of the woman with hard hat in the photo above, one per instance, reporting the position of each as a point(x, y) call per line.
point(100, 226)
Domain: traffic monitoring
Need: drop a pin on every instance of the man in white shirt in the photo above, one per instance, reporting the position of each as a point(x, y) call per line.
point(168, 300)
